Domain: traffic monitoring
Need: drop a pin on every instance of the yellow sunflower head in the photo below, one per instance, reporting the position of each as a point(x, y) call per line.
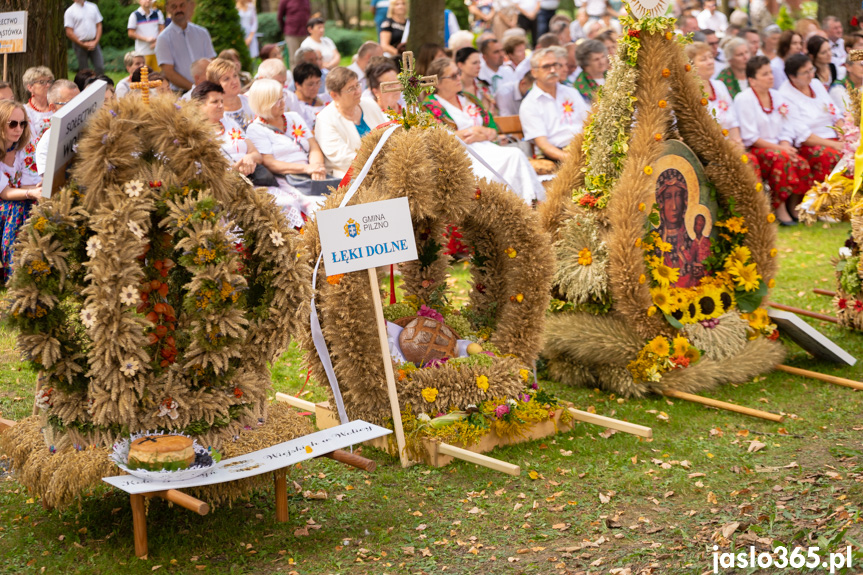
point(740, 253)
point(659, 346)
point(664, 275)
point(746, 276)
point(661, 299)
point(680, 345)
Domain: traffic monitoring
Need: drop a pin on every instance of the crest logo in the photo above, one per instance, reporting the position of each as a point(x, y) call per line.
point(352, 228)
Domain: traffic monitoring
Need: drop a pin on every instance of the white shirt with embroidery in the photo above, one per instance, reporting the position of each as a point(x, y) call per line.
point(558, 118)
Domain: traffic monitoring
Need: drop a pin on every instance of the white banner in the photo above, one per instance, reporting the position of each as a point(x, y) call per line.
point(366, 236)
point(13, 32)
point(263, 461)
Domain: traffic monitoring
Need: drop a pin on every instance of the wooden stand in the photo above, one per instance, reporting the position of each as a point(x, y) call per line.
point(5, 424)
point(824, 292)
point(723, 405)
point(804, 312)
point(611, 423)
point(821, 377)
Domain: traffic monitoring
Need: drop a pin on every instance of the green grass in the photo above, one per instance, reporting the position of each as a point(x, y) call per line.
point(467, 519)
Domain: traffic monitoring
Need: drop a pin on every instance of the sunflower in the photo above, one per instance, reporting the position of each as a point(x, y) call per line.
point(680, 345)
point(758, 319)
point(746, 276)
point(693, 354)
point(739, 253)
point(726, 298)
point(662, 299)
point(659, 346)
point(710, 303)
point(665, 275)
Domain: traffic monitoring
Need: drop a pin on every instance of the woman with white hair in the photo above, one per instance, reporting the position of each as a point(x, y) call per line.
point(275, 69)
point(734, 76)
point(288, 150)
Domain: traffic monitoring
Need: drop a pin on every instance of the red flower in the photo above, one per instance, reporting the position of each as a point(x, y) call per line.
point(238, 393)
point(587, 200)
point(858, 305)
point(633, 33)
point(774, 335)
point(478, 194)
point(854, 22)
point(842, 303)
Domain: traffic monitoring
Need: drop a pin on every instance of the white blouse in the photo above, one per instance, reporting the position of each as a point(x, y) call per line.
point(722, 106)
point(233, 140)
point(39, 122)
point(18, 174)
point(776, 126)
point(817, 113)
point(244, 115)
point(291, 146)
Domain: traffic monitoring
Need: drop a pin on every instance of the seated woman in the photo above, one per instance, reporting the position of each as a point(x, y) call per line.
point(592, 58)
point(734, 76)
point(341, 125)
point(226, 73)
point(275, 69)
point(288, 149)
point(477, 129)
point(768, 128)
point(242, 154)
point(813, 108)
point(790, 43)
point(19, 186)
point(307, 80)
point(818, 48)
point(469, 63)
point(378, 72)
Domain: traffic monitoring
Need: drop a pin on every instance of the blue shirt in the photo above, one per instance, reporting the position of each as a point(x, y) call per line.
point(180, 48)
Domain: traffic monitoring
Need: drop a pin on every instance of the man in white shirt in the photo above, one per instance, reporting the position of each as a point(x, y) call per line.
point(510, 95)
point(712, 18)
point(181, 44)
point(833, 26)
point(199, 75)
point(687, 24)
point(492, 70)
point(145, 25)
point(366, 52)
point(551, 113)
point(83, 23)
point(61, 93)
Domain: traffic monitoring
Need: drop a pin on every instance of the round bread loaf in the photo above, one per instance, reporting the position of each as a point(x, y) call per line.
point(425, 339)
point(161, 452)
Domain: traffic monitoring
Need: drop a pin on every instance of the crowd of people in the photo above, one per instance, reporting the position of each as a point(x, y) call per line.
point(779, 95)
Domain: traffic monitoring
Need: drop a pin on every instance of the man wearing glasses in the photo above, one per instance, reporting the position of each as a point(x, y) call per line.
point(60, 94)
point(551, 113)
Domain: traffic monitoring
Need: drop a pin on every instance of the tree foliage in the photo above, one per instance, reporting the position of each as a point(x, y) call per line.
point(221, 19)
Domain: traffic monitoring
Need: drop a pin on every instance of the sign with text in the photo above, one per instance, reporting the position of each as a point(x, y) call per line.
point(67, 123)
point(810, 339)
point(366, 236)
point(13, 32)
point(264, 460)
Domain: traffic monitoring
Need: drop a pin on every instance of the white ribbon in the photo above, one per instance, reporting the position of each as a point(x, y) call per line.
point(317, 333)
point(484, 163)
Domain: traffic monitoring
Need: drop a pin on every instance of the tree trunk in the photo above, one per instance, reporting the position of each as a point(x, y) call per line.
point(46, 41)
point(842, 9)
point(426, 23)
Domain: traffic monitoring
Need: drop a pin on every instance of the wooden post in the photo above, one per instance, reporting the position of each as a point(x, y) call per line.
point(722, 405)
point(807, 313)
point(388, 367)
point(5, 60)
point(611, 423)
point(824, 292)
point(184, 500)
point(296, 402)
point(479, 459)
point(352, 459)
point(821, 377)
point(5, 424)
point(281, 488)
point(139, 524)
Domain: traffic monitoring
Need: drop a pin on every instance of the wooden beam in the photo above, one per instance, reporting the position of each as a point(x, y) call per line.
point(824, 292)
point(352, 459)
point(479, 459)
point(821, 377)
point(184, 500)
point(807, 313)
point(610, 423)
point(281, 488)
point(139, 524)
point(296, 402)
point(5, 424)
point(723, 405)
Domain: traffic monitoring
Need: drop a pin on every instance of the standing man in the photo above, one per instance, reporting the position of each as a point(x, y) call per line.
point(380, 9)
point(145, 25)
point(181, 44)
point(711, 18)
point(83, 23)
point(547, 9)
point(833, 27)
point(492, 70)
point(293, 15)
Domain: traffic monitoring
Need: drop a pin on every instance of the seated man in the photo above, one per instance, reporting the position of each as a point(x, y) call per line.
point(366, 52)
point(60, 93)
point(551, 113)
point(199, 75)
point(132, 61)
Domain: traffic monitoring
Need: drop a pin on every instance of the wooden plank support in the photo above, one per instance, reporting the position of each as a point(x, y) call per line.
point(184, 500)
point(610, 423)
point(5, 424)
point(723, 405)
point(804, 312)
point(296, 402)
point(821, 377)
point(139, 524)
point(352, 459)
point(281, 488)
point(479, 459)
point(824, 292)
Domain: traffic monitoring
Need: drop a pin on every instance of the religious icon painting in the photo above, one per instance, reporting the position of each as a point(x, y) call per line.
point(686, 212)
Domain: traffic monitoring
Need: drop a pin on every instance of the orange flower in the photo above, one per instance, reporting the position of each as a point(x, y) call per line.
point(335, 279)
point(724, 132)
point(688, 67)
point(771, 218)
point(662, 103)
point(703, 101)
point(744, 158)
point(641, 207)
point(648, 170)
point(657, 136)
point(669, 35)
point(666, 72)
point(642, 279)
point(772, 283)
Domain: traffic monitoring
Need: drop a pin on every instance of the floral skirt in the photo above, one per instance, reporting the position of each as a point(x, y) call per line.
point(753, 163)
point(821, 160)
point(13, 214)
point(785, 175)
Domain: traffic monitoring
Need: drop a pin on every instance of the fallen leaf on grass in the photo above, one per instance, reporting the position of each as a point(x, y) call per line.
point(512, 559)
point(560, 526)
point(607, 433)
point(426, 552)
point(755, 445)
point(667, 494)
point(319, 494)
point(711, 498)
point(694, 475)
point(729, 528)
point(475, 510)
point(408, 551)
point(603, 498)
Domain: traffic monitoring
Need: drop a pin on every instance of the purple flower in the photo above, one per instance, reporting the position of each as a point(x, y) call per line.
point(176, 142)
point(413, 81)
point(104, 139)
point(113, 113)
point(488, 353)
point(524, 397)
point(110, 167)
point(437, 362)
point(178, 106)
point(534, 385)
point(501, 410)
point(426, 311)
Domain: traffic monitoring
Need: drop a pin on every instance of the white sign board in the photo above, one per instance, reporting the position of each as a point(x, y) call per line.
point(366, 236)
point(263, 461)
point(67, 123)
point(13, 32)
point(810, 339)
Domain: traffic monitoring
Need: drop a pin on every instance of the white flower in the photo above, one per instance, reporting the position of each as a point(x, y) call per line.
point(424, 417)
point(845, 252)
point(136, 230)
point(43, 398)
point(277, 239)
point(512, 402)
point(94, 245)
point(134, 189)
point(88, 317)
point(130, 366)
point(129, 295)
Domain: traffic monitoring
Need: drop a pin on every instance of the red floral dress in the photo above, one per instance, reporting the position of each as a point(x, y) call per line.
point(39, 122)
point(13, 213)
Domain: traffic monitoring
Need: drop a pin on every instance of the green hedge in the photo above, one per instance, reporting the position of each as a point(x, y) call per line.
point(221, 19)
point(459, 8)
point(115, 25)
point(113, 59)
point(269, 29)
point(347, 41)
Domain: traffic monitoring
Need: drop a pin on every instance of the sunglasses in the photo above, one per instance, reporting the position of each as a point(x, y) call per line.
point(15, 123)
